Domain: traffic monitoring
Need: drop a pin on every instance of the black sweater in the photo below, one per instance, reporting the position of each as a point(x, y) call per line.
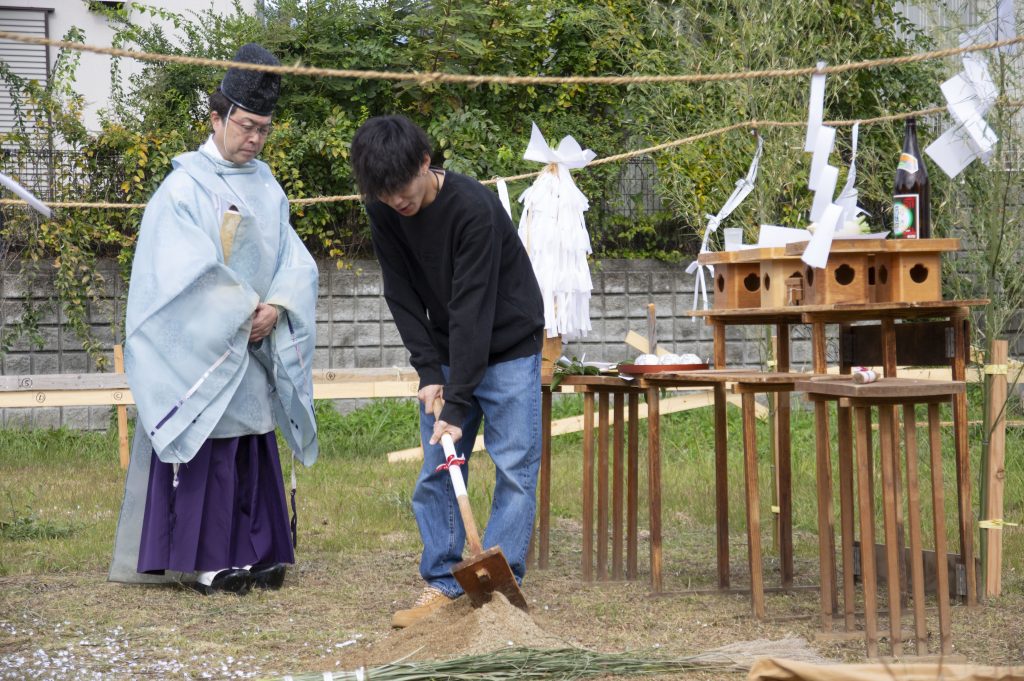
point(460, 287)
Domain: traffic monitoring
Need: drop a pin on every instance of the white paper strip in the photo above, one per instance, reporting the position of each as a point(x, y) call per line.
point(822, 150)
point(743, 187)
point(952, 151)
point(847, 198)
point(816, 253)
point(979, 79)
point(503, 196)
point(816, 108)
point(983, 33)
point(826, 190)
point(968, 95)
point(1006, 25)
point(569, 153)
point(773, 236)
point(26, 196)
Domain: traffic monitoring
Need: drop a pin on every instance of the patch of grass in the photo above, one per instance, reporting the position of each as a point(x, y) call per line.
point(351, 498)
point(382, 426)
point(29, 525)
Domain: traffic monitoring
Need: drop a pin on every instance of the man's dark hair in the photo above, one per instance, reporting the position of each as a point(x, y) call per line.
point(220, 104)
point(387, 153)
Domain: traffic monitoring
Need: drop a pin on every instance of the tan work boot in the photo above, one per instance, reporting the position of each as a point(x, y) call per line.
point(430, 600)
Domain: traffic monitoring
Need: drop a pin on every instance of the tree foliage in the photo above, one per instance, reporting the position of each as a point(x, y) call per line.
point(482, 130)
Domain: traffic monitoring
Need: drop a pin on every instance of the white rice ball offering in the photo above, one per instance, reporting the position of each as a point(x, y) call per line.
point(690, 358)
point(670, 358)
point(647, 359)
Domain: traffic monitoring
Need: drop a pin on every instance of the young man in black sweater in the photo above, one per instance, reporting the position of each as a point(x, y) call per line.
point(466, 302)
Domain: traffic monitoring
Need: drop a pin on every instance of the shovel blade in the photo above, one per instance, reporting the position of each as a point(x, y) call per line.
point(483, 574)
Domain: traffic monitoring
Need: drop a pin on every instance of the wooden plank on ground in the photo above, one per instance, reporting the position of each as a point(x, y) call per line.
point(87, 390)
point(66, 398)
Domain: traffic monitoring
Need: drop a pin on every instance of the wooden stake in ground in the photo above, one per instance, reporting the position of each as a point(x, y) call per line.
point(122, 412)
point(995, 476)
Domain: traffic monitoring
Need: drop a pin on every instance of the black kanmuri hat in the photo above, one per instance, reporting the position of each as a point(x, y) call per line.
point(254, 91)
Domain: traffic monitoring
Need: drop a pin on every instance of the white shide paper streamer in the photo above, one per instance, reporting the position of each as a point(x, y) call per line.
point(743, 187)
point(554, 231)
point(26, 196)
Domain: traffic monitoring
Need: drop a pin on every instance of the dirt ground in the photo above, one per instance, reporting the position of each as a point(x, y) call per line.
point(334, 614)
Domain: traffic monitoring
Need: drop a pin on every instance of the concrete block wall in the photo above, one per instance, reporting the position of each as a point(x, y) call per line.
point(355, 327)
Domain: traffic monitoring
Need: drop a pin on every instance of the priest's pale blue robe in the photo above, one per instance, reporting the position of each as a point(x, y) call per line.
point(193, 373)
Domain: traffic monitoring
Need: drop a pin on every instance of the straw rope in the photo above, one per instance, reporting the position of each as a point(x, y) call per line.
point(752, 124)
point(477, 79)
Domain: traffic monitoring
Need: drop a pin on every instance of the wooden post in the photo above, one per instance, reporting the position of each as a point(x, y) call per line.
point(550, 353)
point(773, 432)
point(996, 473)
point(784, 463)
point(122, 412)
point(652, 330)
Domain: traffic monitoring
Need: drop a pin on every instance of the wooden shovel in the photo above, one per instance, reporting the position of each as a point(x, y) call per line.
point(484, 572)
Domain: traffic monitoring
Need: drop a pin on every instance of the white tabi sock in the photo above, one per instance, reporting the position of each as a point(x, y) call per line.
point(206, 578)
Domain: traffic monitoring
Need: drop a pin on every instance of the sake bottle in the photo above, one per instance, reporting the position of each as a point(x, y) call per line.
point(911, 216)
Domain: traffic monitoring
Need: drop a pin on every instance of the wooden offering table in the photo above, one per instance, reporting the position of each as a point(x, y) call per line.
point(625, 475)
point(885, 395)
point(953, 315)
point(747, 384)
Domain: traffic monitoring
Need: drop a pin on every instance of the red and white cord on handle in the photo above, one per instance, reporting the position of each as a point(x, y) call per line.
point(451, 457)
point(452, 461)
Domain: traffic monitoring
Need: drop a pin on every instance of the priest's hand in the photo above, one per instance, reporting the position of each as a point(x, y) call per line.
point(263, 321)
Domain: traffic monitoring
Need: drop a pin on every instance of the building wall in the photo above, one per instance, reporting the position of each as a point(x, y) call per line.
point(94, 70)
point(355, 327)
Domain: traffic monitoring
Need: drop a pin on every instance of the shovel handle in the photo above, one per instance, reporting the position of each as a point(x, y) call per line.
point(465, 510)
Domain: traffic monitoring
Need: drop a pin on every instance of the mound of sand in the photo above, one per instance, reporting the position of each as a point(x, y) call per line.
point(458, 629)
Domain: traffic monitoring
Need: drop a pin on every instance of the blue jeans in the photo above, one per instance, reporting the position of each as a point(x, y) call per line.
point(508, 402)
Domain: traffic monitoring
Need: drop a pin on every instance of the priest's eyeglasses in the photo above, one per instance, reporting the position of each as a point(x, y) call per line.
point(248, 128)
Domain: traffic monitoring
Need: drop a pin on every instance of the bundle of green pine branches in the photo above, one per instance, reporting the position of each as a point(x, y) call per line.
point(566, 663)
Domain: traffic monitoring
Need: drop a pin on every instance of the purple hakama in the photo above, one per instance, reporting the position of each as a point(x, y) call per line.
point(228, 510)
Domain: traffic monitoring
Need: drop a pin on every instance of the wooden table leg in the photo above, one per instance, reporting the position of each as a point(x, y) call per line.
point(914, 516)
point(844, 433)
point(818, 343)
point(963, 460)
point(867, 529)
point(753, 506)
point(588, 486)
point(718, 341)
point(721, 486)
point(782, 428)
point(889, 364)
point(545, 481)
point(654, 485)
point(826, 528)
point(632, 486)
point(890, 502)
point(939, 515)
point(826, 552)
point(602, 486)
point(617, 480)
